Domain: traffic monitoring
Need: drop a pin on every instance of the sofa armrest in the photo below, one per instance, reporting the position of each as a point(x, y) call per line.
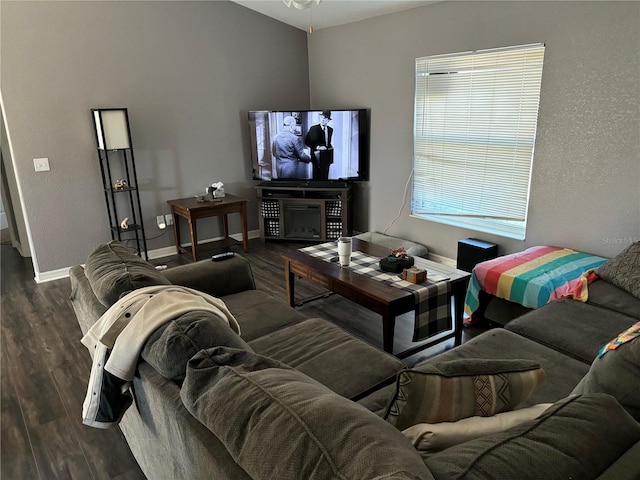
point(86, 305)
point(218, 279)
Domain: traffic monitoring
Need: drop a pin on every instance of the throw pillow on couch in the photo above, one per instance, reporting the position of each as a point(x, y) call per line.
point(429, 438)
point(457, 389)
point(623, 270)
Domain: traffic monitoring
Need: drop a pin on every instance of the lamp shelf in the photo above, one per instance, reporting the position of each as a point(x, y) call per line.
point(120, 190)
point(133, 227)
point(117, 163)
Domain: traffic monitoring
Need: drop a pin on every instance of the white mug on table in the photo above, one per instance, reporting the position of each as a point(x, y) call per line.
point(344, 251)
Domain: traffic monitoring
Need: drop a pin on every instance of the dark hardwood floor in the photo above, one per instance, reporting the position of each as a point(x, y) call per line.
point(45, 368)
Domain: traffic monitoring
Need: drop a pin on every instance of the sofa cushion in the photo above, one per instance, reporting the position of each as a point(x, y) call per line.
point(617, 373)
point(571, 327)
point(112, 270)
point(429, 438)
point(625, 467)
point(449, 391)
point(171, 346)
point(624, 270)
point(378, 401)
point(326, 353)
point(277, 422)
point(578, 437)
point(259, 314)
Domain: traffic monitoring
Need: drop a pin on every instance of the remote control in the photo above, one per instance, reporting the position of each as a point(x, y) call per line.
point(222, 256)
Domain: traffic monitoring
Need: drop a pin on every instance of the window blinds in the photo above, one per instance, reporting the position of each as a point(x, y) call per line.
point(475, 127)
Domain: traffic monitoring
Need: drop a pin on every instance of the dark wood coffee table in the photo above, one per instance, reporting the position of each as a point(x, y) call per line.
point(378, 297)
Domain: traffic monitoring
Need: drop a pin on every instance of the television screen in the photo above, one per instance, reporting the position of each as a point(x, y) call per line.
point(311, 145)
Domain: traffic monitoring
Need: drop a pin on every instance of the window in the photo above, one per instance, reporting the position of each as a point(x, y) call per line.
point(475, 127)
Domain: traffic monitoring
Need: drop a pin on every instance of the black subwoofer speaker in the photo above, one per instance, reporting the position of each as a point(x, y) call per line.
point(472, 251)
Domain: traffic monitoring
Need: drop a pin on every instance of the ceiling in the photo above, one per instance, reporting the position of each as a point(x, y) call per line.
point(330, 12)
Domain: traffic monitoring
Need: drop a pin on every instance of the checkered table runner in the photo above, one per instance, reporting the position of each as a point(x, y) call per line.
point(433, 297)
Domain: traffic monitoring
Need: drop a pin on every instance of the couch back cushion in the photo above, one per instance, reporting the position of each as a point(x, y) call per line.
point(578, 437)
point(570, 327)
point(112, 270)
point(604, 294)
point(171, 346)
point(278, 423)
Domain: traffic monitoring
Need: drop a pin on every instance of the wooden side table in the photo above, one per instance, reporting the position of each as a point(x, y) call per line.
point(191, 209)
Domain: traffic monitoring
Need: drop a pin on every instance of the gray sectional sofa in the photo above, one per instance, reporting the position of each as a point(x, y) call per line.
point(299, 398)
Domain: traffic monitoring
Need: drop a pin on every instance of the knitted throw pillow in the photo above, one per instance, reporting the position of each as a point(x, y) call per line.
point(450, 391)
point(623, 270)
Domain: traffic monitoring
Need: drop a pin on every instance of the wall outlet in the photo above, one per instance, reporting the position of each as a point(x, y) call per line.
point(161, 222)
point(41, 164)
point(168, 219)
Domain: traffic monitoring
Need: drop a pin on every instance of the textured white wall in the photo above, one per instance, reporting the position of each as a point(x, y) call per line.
point(585, 189)
point(187, 71)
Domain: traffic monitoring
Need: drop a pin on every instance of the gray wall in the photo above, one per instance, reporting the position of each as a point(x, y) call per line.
point(585, 188)
point(187, 71)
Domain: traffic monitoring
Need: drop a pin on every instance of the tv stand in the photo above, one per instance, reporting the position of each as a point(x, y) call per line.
point(304, 213)
point(305, 183)
point(326, 184)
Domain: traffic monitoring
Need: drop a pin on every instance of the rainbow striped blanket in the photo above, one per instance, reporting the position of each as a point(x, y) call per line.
point(533, 277)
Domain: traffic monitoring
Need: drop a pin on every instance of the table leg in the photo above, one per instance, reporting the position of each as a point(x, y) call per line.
point(458, 311)
point(289, 279)
point(193, 232)
point(388, 329)
point(176, 230)
point(225, 225)
point(243, 221)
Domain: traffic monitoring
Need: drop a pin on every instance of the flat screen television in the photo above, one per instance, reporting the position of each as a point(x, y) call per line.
point(293, 146)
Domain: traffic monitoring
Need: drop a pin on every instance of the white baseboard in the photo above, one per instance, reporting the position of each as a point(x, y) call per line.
point(161, 252)
point(42, 277)
point(168, 251)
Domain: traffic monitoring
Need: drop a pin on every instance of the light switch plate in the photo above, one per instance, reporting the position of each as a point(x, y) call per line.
point(41, 164)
